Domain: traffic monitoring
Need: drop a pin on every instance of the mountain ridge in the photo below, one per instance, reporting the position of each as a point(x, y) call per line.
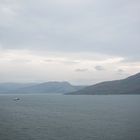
point(129, 85)
point(46, 87)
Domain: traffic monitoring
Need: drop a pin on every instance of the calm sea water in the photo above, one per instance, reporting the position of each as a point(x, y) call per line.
point(60, 117)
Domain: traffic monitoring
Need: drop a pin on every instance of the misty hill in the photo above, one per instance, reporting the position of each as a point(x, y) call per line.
point(47, 87)
point(50, 87)
point(130, 85)
point(7, 87)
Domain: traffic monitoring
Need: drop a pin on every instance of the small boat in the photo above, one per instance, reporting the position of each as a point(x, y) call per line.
point(16, 99)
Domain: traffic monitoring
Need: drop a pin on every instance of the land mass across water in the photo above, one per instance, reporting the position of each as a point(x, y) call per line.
point(130, 85)
point(38, 88)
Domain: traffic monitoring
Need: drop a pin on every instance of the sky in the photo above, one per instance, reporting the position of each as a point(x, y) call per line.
point(80, 41)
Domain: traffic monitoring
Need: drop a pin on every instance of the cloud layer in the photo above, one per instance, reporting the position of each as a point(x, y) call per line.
point(71, 33)
point(110, 27)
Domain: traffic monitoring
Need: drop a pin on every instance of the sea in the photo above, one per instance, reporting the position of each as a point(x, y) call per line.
point(69, 117)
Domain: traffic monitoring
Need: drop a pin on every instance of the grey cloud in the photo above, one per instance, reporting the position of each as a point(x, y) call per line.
point(99, 68)
point(120, 71)
point(81, 70)
point(48, 60)
point(123, 73)
point(70, 62)
point(67, 62)
point(107, 27)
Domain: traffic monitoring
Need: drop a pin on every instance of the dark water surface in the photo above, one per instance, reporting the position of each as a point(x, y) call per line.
point(60, 117)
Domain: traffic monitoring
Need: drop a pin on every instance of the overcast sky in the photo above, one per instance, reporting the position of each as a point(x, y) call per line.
point(81, 41)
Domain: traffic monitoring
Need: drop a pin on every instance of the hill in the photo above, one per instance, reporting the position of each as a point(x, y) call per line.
point(130, 85)
point(47, 87)
point(50, 87)
point(8, 87)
